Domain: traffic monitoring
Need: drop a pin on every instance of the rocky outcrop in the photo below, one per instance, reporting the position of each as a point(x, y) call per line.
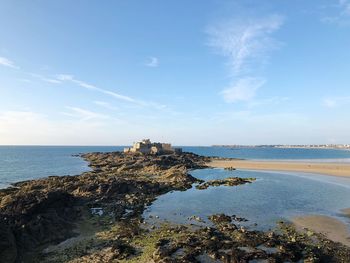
point(226, 242)
point(37, 213)
point(230, 181)
point(34, 215)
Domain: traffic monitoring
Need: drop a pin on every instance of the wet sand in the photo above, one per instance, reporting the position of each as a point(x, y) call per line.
point(334, 169)
point(334, 229)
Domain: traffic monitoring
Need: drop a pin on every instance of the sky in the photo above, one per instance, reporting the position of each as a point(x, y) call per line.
point(186, 72)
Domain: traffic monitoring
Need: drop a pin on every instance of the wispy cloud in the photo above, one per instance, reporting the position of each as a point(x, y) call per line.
point(46, 79)
point(8, 63)
point(242, 90)
point(84, 114)
point(25, 80)
point(333, 102)
point(245, 42)
point(83, 84)
point(105, 104)
point(268, 101)
point(152, 62)
point(338, 13)
point(61, 78)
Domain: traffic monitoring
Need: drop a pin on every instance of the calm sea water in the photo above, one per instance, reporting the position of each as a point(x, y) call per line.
point(18, 163)
point(270, 153)
point(272, 197)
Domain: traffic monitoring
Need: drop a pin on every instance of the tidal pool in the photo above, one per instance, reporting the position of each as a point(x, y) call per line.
point(272, 197)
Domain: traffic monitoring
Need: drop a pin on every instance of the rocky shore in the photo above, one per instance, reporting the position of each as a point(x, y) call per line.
point(38, 213)
point(97, 217)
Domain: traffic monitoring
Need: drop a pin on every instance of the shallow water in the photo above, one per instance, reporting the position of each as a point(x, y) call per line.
point(272, 197)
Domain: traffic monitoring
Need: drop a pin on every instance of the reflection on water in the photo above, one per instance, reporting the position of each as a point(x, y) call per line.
point(273, 196)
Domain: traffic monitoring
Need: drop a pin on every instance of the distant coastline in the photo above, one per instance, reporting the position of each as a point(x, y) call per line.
point(286, 146)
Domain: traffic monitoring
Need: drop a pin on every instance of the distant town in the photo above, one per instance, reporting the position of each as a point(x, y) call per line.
point(311, 146)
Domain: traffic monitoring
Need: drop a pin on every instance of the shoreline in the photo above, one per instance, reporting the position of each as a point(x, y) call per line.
point(77, 218)
point(332, 169)
point(331, 227)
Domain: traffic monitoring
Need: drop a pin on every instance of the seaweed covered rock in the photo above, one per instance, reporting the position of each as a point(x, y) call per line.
point(230, 181)
point(42, 212)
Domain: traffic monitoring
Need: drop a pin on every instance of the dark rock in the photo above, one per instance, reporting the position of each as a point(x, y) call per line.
point(230, 181)
point(40, 212)
point(8, 248)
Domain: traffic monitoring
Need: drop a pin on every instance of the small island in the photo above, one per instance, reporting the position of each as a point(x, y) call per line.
point(147, 147)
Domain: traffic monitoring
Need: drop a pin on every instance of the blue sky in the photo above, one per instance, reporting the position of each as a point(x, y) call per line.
point(186, 72)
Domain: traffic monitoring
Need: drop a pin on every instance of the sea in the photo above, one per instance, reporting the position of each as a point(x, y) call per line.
point(273, 196)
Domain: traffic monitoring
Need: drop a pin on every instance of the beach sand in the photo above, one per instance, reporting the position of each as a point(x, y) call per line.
point(335, 169)
point(332, 228)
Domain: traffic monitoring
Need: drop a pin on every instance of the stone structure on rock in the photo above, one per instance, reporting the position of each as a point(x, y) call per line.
point(147, 147)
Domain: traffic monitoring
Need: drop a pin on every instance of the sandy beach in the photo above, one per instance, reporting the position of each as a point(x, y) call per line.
point(334, 169)
point(332, 228)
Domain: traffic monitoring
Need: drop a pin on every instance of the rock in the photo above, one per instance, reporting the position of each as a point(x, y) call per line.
point(220, 219)
point(38, 213)
point(230, 168)
point(230, 181)
point(45, 211)
point(8, 248)
point(196, 218)
point(122, 250)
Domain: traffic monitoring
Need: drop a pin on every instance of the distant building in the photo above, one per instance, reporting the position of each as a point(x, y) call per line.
point(147, 147)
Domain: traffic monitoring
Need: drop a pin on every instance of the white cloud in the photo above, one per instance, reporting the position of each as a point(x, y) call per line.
point(345, 6)
point(338, 13)
point(268, 101)
point(153, 62)
point(333, 102)
point(64, 77)
point(49, 80)
point(83, 84)
point(83, 114)
point(118, 96)
point(7, 63)
point(329, 103)
point(242, 90)
point(245, 42)
point(105, 105)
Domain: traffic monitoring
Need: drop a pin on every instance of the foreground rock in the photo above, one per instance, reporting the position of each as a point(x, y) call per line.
point(97, 217)
point(225, 242)
point(34, 214)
